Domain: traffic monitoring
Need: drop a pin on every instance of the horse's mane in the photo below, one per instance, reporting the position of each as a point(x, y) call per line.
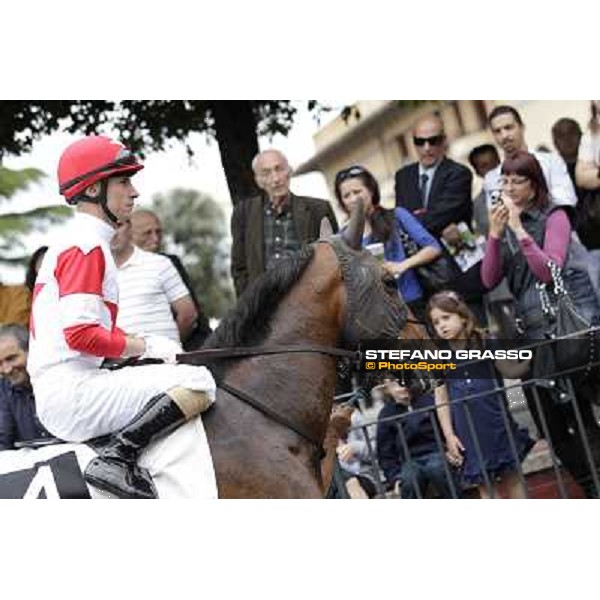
point(249, 321)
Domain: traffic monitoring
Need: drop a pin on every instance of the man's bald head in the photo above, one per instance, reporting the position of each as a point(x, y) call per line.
point(429, 139)
point(146, 230)
point(430, 124)
point(267, 155)
point(272, 173)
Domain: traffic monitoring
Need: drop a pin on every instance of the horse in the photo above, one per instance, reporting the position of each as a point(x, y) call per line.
point(331, 293)
point(275, 387)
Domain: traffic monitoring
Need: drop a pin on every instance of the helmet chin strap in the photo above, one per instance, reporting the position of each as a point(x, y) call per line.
point(102, 200)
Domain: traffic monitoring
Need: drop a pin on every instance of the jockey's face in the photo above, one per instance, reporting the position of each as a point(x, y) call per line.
point(121, 195)
point(13, 360)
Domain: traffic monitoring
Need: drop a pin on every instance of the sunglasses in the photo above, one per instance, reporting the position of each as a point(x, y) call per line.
point(449, 294)
point(434, 140)
point(349, 173)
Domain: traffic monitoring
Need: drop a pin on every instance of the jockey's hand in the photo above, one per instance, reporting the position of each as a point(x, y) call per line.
point(159, 346)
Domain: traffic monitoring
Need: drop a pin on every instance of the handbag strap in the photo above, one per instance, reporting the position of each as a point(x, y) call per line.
point(408, 244)
point(557, 279)
point(559, 291)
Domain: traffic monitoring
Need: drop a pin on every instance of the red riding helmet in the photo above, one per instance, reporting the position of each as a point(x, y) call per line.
point(92, 159)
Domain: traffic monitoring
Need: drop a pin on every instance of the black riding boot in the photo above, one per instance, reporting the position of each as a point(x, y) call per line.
point(115, 469)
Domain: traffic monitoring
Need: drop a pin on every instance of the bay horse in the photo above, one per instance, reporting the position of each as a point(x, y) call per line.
point(331, 293)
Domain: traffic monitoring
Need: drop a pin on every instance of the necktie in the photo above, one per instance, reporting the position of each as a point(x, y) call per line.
point(423, 189)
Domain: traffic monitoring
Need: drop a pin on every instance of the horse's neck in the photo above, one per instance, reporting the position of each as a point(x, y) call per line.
point(308, 379)
point(299, 385)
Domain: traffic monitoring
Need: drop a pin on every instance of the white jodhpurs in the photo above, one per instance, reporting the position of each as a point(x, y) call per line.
point(80, 404)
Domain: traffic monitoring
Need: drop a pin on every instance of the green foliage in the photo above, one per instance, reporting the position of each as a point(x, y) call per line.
point(143, 125)
point(193, 224)
point(14, 225)
point(153, 125)
point(13, 181)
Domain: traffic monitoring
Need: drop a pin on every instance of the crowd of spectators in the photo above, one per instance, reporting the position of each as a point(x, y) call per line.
point(529, 212)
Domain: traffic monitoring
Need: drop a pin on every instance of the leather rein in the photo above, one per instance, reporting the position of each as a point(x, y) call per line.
point(216, 354)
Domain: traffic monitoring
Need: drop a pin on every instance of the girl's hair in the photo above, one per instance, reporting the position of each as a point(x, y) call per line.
point(527, 165)
point(380, 219)
point(31, 273)
point(451, 302)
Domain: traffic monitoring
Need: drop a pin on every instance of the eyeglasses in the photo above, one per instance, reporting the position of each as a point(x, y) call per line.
point(434, 140)
point(349, 173)
point(515, 181)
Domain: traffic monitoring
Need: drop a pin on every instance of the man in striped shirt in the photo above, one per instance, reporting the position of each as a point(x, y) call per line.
point(73, 329)
point(152, 296)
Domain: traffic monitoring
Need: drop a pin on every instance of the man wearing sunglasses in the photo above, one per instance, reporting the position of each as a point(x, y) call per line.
point(435, 189)
point(270, 227)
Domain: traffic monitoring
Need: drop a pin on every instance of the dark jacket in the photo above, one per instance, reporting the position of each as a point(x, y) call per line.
point(247, 231)
point(418, 434)
point(202, 328)
point(18, 419)
point(449, 197)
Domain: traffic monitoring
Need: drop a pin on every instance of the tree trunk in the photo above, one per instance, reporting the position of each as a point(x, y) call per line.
point(235, 125)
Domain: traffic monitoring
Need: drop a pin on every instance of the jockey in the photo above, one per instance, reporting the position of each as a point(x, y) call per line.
point(75, 305)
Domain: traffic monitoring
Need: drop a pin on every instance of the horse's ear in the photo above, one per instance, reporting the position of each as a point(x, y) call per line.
point(326, 230)
point(353, 233)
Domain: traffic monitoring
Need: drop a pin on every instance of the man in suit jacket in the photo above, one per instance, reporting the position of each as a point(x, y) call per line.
point(270, 227)
point(435, 189)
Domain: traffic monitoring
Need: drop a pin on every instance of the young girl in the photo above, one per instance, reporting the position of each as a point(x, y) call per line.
point(476, 430)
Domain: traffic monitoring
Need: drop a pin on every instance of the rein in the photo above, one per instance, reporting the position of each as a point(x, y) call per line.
point(224, 353)
point(203, 356)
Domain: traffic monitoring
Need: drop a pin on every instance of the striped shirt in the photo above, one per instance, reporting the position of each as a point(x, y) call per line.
point(148, 285)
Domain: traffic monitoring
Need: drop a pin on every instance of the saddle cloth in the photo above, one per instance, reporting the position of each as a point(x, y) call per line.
point(180, 465)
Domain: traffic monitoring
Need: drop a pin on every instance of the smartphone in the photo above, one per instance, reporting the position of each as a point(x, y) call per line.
point(496, 198)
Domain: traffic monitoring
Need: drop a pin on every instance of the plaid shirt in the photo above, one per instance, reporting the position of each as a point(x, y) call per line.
point(281, 238)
